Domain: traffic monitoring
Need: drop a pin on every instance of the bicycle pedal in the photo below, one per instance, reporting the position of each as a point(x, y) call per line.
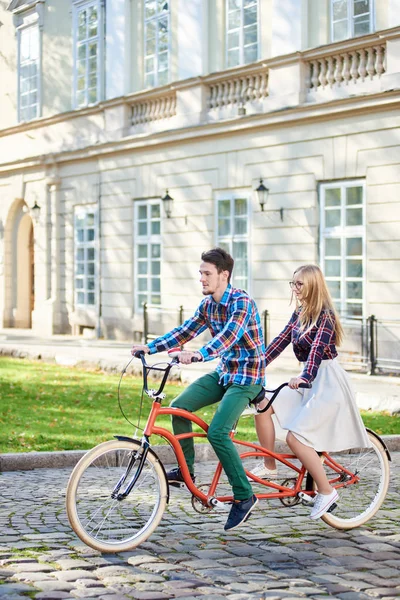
point(332, 507)
point(176, 484)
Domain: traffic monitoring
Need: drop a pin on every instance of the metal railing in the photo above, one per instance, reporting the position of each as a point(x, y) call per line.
point(371, 345)
point(157, 320)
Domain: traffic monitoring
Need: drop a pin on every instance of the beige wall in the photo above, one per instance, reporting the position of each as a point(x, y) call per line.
point(291, 160)
point(95, 157)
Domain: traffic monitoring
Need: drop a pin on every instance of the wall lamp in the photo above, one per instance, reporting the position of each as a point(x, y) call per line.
point(262, 194)
point(167, 201)
point(35, 212)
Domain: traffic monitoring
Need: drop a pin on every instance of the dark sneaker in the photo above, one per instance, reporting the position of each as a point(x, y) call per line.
point(175, 477)
point(240, 512)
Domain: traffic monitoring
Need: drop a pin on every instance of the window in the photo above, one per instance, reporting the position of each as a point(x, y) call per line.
point(233, 234)
point(350, 18)
point(156, 42)
point(88, 38)
point(241, 32)
point(343, 245)
point(147, 252)
point(85, 255)
point(28, 73)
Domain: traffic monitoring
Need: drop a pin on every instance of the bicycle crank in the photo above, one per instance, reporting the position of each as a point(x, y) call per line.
point(290, 500)
point(198, 504)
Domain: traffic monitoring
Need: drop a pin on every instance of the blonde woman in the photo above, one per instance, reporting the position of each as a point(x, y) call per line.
point(325, 417)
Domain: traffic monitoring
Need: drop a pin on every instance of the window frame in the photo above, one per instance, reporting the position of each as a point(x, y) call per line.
point(85, 209)
point(79, 5)
point(141, 240)
point(221, 239)
point(29, 20)
point(241, 35)
point(155, 19)
point(343, 232)
point(350, 20)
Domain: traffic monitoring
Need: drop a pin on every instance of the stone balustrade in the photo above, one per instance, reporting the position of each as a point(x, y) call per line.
point(238, 89)
point(154, 108)
point(344, 68)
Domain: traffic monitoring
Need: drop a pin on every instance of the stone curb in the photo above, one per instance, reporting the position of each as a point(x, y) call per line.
point(26, 461)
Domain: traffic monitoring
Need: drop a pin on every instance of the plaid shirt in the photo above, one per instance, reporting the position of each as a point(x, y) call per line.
point(310, 347)
point(236, 332)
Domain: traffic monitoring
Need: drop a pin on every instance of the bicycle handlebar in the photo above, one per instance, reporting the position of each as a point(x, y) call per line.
point(146, 368)
point(275, 392)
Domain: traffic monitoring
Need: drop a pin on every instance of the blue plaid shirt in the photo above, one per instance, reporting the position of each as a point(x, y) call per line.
point(237, 338)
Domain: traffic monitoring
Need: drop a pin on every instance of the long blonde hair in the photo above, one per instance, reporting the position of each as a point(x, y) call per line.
point(316, 298)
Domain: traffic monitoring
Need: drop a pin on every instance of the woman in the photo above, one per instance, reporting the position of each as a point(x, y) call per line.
point(325, 417)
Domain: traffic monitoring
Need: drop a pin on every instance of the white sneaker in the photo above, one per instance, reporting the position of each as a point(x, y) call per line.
point(322, 504)
point(263, 472)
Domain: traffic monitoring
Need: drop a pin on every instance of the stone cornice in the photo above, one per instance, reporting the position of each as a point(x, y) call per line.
point(298, 115)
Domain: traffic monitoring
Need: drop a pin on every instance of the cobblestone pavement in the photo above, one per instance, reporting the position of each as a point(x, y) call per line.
point(278, 554)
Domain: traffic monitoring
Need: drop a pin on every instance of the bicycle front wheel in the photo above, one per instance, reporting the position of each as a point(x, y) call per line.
point(358, 502)
point(103, 522)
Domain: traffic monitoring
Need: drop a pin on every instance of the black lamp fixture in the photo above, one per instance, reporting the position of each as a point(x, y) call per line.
point(35, 211)
point(262, 193)
point(167, 203)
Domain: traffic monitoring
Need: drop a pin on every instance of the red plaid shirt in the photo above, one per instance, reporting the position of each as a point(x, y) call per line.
point(310, 347)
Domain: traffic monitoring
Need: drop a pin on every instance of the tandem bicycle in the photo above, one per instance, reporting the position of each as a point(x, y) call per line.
point(118, 491)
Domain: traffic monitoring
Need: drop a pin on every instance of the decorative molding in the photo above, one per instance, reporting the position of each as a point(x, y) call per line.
point(27, 12)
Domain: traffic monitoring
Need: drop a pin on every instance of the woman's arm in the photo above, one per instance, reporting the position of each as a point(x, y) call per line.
point(323, 337)
point(282, 340)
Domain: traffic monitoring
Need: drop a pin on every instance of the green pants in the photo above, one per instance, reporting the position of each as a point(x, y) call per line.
point(232, 399)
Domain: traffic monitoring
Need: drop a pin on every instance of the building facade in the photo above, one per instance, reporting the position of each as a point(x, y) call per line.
point(108, 105)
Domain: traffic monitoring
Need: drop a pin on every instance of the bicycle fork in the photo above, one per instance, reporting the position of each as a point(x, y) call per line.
point(140, 455)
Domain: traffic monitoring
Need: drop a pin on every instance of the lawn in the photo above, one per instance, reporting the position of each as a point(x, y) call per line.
point(50, 407)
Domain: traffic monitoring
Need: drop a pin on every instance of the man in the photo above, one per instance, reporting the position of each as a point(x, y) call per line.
point(233, 320)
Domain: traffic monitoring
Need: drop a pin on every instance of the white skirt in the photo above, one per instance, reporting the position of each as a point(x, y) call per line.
point(326, 416)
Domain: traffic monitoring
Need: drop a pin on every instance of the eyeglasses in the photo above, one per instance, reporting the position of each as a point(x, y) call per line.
point(296, 284)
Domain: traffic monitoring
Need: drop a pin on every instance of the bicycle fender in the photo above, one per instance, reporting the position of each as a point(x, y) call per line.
point(125, 438)
point(378, 437)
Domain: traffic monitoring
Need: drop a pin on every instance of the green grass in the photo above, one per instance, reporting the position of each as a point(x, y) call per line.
point(49, 407)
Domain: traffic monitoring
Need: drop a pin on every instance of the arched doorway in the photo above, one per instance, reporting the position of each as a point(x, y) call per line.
point(19, 268)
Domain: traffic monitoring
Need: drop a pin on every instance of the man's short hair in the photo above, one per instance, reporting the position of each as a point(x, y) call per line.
point(220, 258)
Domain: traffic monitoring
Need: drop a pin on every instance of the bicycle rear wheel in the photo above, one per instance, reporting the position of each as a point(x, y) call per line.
point(359, 502)
point(108, 524)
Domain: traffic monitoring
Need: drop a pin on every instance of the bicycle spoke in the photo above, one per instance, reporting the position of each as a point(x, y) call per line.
point(105, 522)
point(360, 497)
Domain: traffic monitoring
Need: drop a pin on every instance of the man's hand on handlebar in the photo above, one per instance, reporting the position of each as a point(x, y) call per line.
point(186, 357)
point(139, 348)
point(295, 382)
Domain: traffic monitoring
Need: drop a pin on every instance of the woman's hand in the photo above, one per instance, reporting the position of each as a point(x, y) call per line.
point(295, 382)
